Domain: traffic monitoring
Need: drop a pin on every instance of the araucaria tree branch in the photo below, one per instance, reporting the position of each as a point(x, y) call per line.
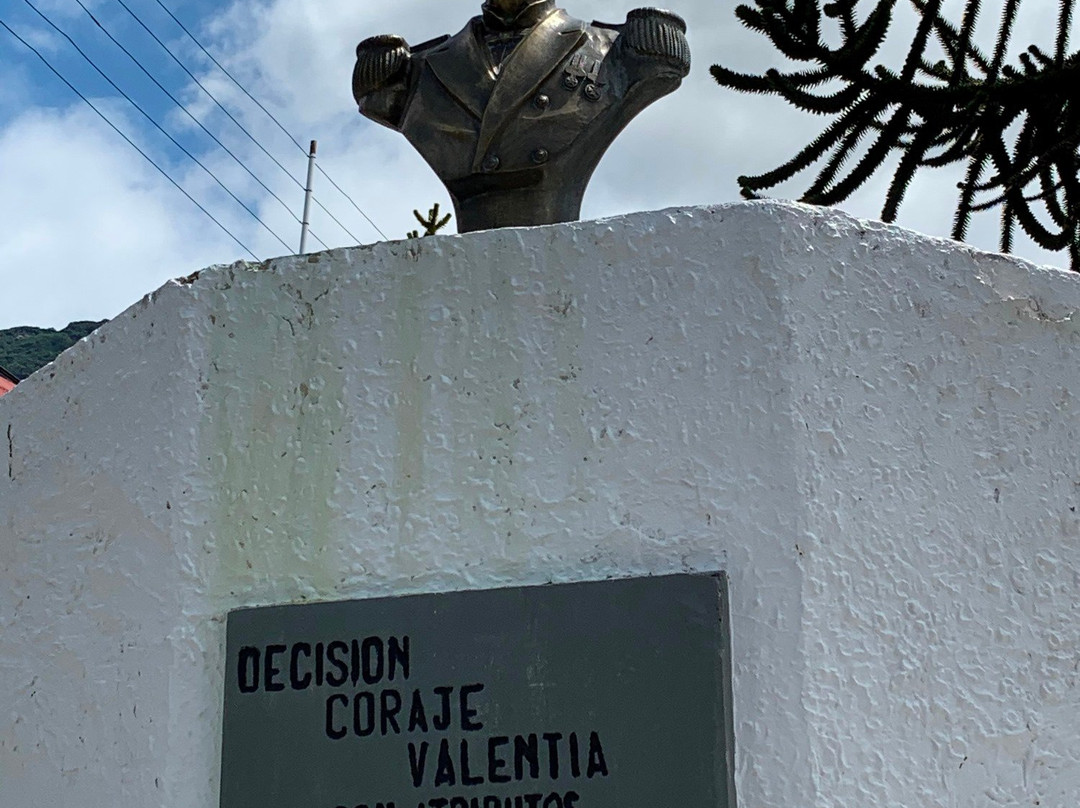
point(432, 224)
point(1017, 127)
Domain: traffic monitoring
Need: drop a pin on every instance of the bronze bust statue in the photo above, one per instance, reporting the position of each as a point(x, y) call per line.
point(514, 112)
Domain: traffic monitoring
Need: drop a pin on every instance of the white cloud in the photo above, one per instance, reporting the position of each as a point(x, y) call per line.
point(89, 230)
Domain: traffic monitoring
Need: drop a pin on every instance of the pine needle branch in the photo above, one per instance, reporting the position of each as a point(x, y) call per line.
point(933, 111)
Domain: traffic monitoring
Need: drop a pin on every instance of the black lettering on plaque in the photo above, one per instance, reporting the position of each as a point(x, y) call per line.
point(372, 655)
point(468, 713)
point(319, 651)
point(597, 764)
point(467, 778)
point(525, 750)
point(553, 739)
point(354, 672)
point(525, 703)
point(364, 707)
point(333, 655)
point(444, 769)
point(417, 717)
point(495, 763)
point(397, 652)
point(247, 669)
point(331, 729)
point(271, 670)
point(391, 706)
point(299, 682)
point(417, 761)
point(442, 722)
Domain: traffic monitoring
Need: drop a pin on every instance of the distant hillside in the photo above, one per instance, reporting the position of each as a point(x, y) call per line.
point(25, 349)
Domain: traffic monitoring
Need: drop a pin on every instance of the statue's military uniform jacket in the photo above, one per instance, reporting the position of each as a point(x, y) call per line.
point(516, 143)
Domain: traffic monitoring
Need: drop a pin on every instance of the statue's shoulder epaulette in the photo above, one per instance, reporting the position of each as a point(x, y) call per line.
point(658, 15)
point(379, 59)
point(610, 26)
point(655, 33)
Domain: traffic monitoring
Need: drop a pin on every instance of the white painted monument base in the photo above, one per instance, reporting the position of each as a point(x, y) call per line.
point(875, 433)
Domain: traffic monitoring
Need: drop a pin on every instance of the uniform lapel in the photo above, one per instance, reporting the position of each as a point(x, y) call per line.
point(463, 68)
point(545, 46)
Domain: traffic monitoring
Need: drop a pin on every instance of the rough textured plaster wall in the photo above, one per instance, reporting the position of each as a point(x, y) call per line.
point(873, 432)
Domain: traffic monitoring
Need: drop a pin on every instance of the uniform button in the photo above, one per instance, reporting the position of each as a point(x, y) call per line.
point(592, 92)
point(541, 102)
point(570, 82)
point(491, 162)
point(539, 156)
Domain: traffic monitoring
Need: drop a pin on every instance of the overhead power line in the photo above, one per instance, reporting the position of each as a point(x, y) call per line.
point(209, 94)
point(230, 116)
point(351, 201)
point(130, 142)
point(221, 67)
point(277, 122)
point(187, 112)
point(158, 126)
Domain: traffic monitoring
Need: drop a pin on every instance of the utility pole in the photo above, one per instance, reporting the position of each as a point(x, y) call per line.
point(307, 197)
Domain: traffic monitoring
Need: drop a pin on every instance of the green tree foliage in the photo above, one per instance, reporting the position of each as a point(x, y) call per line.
point(25, 349)
point(432, 224)
point(1016, 127)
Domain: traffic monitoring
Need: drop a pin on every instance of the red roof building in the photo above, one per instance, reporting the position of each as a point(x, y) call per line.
point(7, 381)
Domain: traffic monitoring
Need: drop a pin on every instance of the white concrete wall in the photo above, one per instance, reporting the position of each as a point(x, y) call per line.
point(875, 433)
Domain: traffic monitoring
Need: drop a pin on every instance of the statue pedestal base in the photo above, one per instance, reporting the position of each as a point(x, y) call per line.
point(874, 433)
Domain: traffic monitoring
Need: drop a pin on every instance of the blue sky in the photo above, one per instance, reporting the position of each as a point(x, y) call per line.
point(29, 84)
point(90, 227)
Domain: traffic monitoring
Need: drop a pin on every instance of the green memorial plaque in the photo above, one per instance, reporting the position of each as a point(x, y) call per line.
point(613, 694)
